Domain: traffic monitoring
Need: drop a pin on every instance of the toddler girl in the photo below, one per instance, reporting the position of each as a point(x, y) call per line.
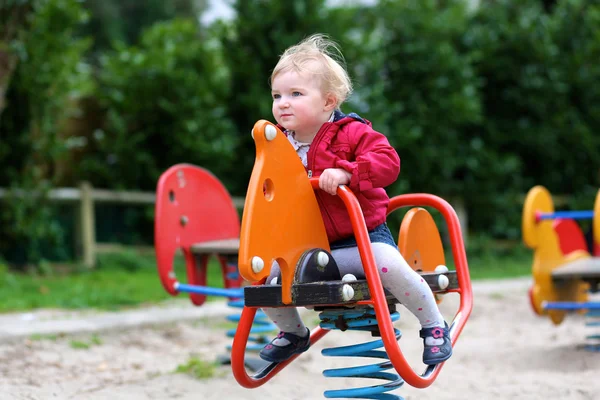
point(308, 86)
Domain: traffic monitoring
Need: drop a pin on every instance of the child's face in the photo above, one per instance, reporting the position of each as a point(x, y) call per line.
point(299, 103)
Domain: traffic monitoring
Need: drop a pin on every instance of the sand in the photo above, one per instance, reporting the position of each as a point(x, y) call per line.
point(505, 352)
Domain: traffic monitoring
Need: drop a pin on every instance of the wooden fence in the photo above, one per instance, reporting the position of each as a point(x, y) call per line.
point(86, 197)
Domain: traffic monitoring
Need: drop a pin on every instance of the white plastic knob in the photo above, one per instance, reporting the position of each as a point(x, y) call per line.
point(270, 132)
point(348, 278)
point(322, 259)
point(443, 281)
point(252, 133)
point(441, 269)
point(257, 264)
point(347, 292)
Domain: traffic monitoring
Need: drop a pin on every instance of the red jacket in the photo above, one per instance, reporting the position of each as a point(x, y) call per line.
point(349, 142)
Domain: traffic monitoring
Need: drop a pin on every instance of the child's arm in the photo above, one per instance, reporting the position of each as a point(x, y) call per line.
point(376, 164)
point(331, 178)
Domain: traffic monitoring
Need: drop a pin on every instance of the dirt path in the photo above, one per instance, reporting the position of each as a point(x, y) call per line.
point(504, 352)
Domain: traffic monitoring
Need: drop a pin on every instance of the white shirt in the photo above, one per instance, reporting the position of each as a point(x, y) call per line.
point(301, 147)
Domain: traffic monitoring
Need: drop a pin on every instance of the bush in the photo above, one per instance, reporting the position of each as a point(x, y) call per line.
point(253, 42)
point(165, 104)
point(423, 93)
point(49, 75)
point(123, 20)
point(539, 103)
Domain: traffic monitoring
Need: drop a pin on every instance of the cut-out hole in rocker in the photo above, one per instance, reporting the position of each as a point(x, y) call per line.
point(214, 276)
point(171, 196)
point(178, 266)
point(268, 189)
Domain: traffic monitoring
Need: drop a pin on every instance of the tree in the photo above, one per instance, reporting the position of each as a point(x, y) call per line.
point(253, 42)
point(47, 75)
point(124, 20)
point(13, 21)
point(165, 104)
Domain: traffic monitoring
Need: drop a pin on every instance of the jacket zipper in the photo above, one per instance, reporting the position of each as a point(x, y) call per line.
point(310, 173)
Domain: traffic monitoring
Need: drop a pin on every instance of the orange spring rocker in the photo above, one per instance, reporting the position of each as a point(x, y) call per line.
point(282, 222)
point(565, 270)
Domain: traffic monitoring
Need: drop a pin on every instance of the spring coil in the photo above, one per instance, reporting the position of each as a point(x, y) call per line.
point(261, 324)
point(593, 339)
point(362, 319)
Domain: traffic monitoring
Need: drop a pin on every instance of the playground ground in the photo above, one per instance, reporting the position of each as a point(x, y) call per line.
point(505, 351)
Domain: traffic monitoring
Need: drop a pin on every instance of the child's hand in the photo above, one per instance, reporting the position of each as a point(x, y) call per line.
point(331, 178)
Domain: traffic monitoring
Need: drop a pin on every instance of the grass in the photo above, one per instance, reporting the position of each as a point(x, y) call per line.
point(119, 281)
point(84, 345)
point(49, 337)
point(198, 368)
point(496, 260)
point(500, 268)
point(127, 279)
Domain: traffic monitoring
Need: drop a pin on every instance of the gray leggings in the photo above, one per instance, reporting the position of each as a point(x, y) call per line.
point(396, 276)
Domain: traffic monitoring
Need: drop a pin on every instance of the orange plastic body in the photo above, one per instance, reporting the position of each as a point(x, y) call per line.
point(278, 227)
point(544, 238)
point(419, 241)
point(192, 206)
point(281, 217)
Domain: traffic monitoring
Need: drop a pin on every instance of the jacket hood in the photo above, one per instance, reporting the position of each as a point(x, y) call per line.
point(339, 118)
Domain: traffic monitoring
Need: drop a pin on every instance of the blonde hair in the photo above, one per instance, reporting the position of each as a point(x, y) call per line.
point(321, 57)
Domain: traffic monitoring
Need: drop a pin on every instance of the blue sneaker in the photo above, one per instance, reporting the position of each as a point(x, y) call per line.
point(296, 345)
point(436, 354)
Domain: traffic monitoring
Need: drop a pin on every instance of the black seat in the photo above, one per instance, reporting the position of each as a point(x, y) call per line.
point(322, 285)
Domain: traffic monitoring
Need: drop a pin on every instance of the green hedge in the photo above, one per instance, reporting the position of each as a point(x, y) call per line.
point(540, 102)
point(49, 73)
point(165, 103)
point(481, 103)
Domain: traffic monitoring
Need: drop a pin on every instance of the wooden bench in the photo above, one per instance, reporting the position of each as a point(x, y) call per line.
point(229, 247)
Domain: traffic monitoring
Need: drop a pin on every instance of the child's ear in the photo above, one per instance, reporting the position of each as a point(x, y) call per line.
point(330, 102)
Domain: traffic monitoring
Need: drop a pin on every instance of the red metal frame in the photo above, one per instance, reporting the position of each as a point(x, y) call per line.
point(378, 299)
point(192, 206)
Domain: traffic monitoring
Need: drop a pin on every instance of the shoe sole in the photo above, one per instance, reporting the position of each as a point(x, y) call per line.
point(436, 362)
point(269, 359)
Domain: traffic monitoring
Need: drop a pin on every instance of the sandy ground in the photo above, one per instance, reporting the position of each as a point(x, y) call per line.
point(504, 352)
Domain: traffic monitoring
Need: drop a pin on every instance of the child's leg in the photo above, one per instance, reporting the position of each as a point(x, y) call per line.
point(287, 319)
point(294, 336)
point(410, 289)
point(397, 277)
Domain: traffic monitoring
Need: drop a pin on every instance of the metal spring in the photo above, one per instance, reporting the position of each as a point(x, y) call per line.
point(261, 323)
point(361, 319)
point(593, 339)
